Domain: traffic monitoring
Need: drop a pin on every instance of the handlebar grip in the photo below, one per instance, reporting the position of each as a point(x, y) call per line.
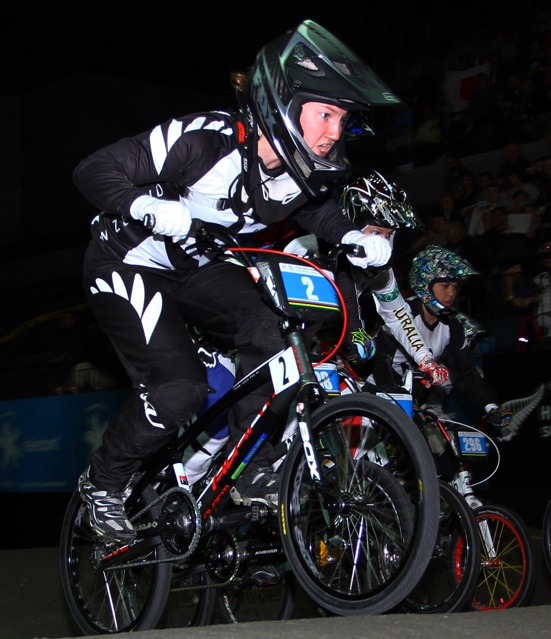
point(355, 250)
point(149, 221)
point(196, 225)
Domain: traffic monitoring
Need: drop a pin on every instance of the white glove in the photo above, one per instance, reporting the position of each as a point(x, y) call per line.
point(170, 218)
point(377, 249)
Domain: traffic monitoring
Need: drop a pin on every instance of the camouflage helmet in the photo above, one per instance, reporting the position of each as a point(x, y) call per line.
point(437, 264)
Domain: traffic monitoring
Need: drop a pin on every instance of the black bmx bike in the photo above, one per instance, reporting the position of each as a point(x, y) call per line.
point(358, 503)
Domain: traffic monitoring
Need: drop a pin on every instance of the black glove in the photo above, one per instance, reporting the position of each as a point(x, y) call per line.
point(358, 347)
point(497, 421)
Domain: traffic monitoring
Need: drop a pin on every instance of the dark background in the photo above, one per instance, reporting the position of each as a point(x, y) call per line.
point(76, 76)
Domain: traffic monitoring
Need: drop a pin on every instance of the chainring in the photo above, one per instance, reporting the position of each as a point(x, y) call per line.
point(223, 556)
point(181, 508)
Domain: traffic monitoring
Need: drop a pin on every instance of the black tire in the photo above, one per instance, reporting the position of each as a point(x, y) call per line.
point(507, 571)
point(452, 573)
point(254, 580)
point(114, 601)
point(359, 540)
point(192, 599)
point(249, 601)
point(546, 536)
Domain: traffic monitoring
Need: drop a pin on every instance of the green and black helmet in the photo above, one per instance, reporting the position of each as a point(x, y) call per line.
point(309, 64)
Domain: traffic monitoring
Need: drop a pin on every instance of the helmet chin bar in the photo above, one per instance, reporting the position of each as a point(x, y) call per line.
point(441, 312)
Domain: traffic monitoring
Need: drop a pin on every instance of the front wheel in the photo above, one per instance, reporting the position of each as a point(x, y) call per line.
point(507, 575)
point(453, 570)
point(359, 536)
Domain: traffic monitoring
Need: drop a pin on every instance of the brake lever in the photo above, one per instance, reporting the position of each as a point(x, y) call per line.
point(356, 250)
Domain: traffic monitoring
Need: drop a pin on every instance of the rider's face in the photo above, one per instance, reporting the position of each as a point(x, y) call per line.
point(370, 229)
point(446, 292)
point(322, 125)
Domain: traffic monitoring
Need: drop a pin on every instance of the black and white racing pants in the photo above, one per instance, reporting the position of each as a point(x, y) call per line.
point(144, 313)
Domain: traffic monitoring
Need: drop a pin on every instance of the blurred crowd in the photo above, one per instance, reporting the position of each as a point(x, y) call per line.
point(493, 91)
point(493, 96)
point(501, 223)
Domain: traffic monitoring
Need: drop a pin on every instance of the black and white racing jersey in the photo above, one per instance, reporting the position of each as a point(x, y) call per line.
point(197, 158)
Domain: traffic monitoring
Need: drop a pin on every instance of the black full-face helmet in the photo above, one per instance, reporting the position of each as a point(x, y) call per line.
point(373, 200)
point(437, 264)
point(308, 64)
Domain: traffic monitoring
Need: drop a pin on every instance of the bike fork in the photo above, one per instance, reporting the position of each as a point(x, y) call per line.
point(462, 483)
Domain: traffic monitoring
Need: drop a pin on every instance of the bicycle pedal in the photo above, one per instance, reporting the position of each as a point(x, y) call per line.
point(256, 511)
point(265, 575)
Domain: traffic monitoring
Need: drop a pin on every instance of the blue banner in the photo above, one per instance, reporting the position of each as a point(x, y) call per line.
point(46, 442)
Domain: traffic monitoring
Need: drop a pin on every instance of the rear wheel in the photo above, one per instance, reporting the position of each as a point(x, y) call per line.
point(546, 536)
point(452, 573)
point(359, 539)
point(250, 570)
point(253, 600)
point(110, 601)
point(192, 599)
point(507, 575)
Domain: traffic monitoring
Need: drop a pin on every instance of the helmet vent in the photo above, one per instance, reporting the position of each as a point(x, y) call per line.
point(307, 63)
point(342, 67)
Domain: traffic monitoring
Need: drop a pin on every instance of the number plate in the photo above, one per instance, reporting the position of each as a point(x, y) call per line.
point(284, 370)
point(305, 286)
point(473, 444)
point(328, 377)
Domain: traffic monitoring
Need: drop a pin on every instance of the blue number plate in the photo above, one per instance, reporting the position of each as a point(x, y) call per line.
point(473, 444)
point(307, 287)
point(328, 377)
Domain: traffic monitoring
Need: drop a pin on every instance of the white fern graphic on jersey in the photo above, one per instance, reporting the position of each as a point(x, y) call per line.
point(148, 316)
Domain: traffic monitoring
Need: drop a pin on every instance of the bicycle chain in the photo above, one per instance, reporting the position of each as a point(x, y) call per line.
point(173, 558)
point(218, 584)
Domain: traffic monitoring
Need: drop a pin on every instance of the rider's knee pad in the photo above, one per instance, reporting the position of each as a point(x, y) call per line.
point(176, 390)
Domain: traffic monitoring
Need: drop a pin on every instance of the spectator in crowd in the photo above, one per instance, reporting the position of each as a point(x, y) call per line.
point(467, 196)
point(427, 138)
point(539, 226)
point(460, 242)
point(528, 288)
point(482, 113)
point(499, 247)
point(401, 135)
point(422, 90)
point(455, 128)
point(516, 182)
point(484, 180)
point(513, 160)
point(540, 174)
point(435, 233)
point(454, 171)
point(516, 206)
point(448, 207)
point(478, 223)
point(542, 281)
